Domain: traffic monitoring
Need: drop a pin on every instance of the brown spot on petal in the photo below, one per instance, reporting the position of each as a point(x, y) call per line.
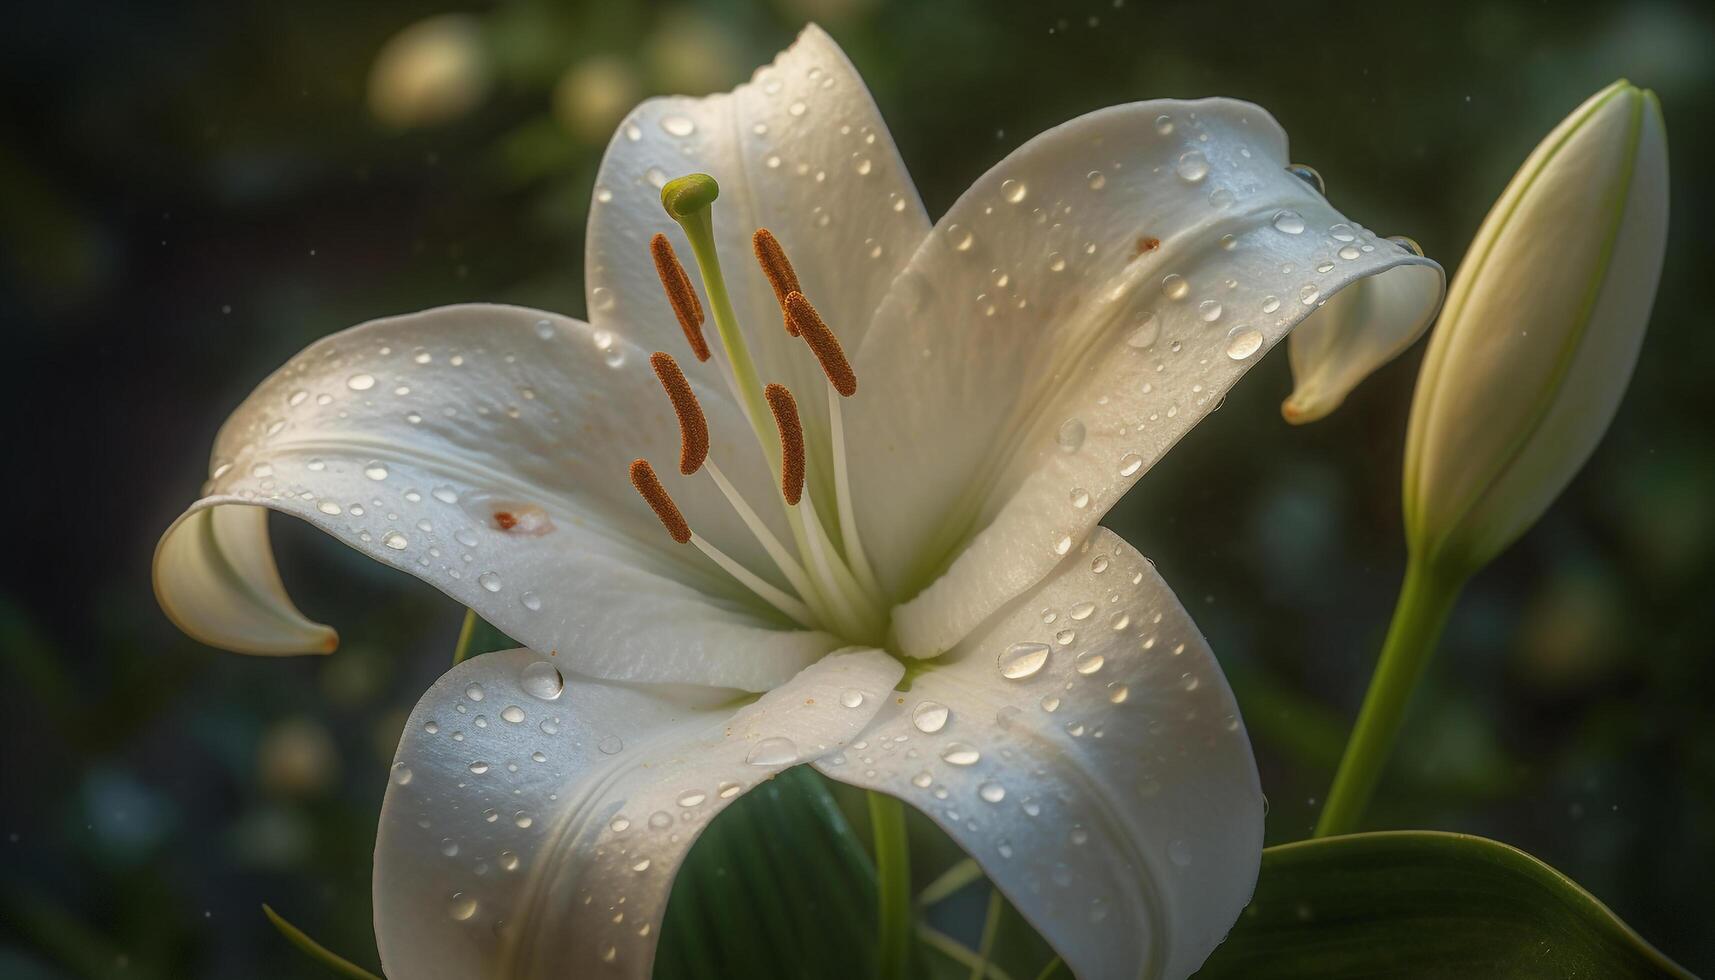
point(1146, 245)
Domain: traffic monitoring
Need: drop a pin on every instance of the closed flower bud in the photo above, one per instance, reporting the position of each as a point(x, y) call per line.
point(1540, 332)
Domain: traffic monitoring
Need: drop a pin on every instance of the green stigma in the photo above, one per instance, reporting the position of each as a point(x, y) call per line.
point(685, 197)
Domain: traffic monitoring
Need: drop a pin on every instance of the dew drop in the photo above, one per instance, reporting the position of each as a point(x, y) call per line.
point(541, 679)
point(992, 792)
point(1088, 662)
point(474, 692)
point(1070, 437)
point(462, 907)
point(1289, 222)
point(478, 768)
point(1209, 310)
point(1242, 342)
point(1193, 166)
point(395, 540)
point(960, 754)
point(1022, 659)
point(1270, 304)
point(1080, 497)
point(960, 237)
point(1014, 191)
point(678, 125)
point(776, 751)
point(1174, 286)
point(1179, 853)
point(402, 774)
point(930, 716)
point(692, 798)
point(1164, 124)
point(1310, 175)
point(360, 382)
point(1130, 463)
point(489, 581)
point(851, 697)
point(1308, 294)
point(512, 714)
point(611, 745)
point(1097, 179)
point(508, 861)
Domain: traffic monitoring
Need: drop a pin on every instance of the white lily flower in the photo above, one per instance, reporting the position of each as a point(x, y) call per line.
point(1022, 363)
point(1542, 328)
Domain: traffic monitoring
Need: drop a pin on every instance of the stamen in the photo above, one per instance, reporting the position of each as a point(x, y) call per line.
point(649, 486)
point(693, 426)
point(789, 607)
point(823, 343)
point(681, 295)
point(778, 269)
point(785, 409)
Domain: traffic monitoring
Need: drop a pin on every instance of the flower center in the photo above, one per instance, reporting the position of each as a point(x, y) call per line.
point(830, 585)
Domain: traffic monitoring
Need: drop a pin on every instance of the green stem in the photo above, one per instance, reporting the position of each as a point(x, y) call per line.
point(893, 884)
point(991, 925)
point(1424, 602)
point(317, 951)
point(461, 649)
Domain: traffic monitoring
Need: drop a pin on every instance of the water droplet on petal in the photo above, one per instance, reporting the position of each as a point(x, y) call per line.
point(1013, 190)
point(992, 792)
point(851, 697)
point(1289, 222)
point(402, 774)
point(776, 751)
point(960, 754)
point(1088, 662)
point(360, 382)
point(1022, 659)
point(1193, 166)
point(1242, 342)
point(512, 714)
point(541, 679)
point(1070, 436)
point(678, 125)
point(462, 907)
point(930, 716)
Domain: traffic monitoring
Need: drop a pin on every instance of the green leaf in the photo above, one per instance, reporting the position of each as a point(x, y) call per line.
point(1425, 904)
point(776, 887)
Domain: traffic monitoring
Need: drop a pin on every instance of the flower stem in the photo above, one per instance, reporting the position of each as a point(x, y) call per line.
point(1425, 599)
point(893, 885)
point(461, 649)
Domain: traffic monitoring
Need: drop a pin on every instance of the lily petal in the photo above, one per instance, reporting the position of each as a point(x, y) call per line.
point(526, 836)
point(1359, 329)
point(483, 449)
point(1094, 765)
point(800, 150)
point(1081, 307)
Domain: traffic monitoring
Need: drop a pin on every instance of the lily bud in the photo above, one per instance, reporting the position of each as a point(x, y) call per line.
point(1540, 332)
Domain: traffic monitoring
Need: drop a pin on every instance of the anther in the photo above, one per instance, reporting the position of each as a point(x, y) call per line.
point(693, 426)
point(785, 409)
point(680, 294)
point(823, 343)
point(649, 487)
point(778, 269)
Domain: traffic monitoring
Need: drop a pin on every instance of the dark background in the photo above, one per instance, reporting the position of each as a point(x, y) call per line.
point(191, 192)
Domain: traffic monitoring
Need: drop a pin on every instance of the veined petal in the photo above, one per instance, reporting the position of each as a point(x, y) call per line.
point(800, 150)
point(1359, 329)
point(1087, 752)
point(532, 828)
point(484, 449)
point(1075, 313)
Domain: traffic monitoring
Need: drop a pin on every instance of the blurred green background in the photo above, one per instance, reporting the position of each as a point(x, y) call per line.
point(191, 192)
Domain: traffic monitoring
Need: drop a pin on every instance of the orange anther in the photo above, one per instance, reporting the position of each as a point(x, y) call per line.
point(785, 409)
point(693, 426)
point(680, 294)
point(649, 486)
point(823, 343)
point(778, 269)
